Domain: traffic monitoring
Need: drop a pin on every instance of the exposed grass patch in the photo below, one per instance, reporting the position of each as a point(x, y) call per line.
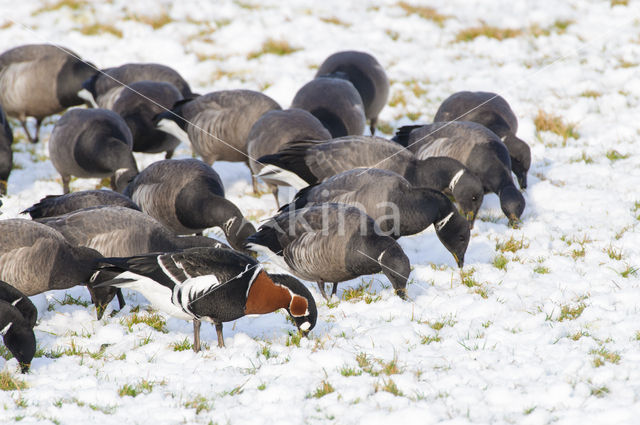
point(548, 122)
point(183, 345)
point(324, 389)
point(602, 356)
point(541, 269)
point(266, 352)
point(9, 383)
point(413, 116)
point(613, 253)
point(578, 252)
point(576, 336)
point(428, 339)
point(397, 99)
point(619, 3)
point(349, 371)
point(488, 31)
point(600, 391)
point(153, 320)
point(571, 312)
point(293, 339)
point(385, 127)
point(141, 387)
point(361, 293)
point(442, 322)
point(500, 262)
point(57, 5)
point(100, 29)
point(70, 300)
point(512, 245)
point(335, 21)
point(582, 158)
point(591, 94)
point(425, 12)
point(155, 21)
point(613, 155)
point(629, 271)
point(389, 386)
point(274, 47)
point(200, 403)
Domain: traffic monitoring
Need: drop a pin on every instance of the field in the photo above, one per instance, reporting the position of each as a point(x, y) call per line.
point(541, 326)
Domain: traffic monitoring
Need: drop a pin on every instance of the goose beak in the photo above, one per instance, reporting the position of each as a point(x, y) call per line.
point(470, 216)
point(459, 261)
point(100, 309)
point(514, 222)
point(24, 367)
point(402, 293)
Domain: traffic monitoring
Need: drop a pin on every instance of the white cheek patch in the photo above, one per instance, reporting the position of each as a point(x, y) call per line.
point(305, 326)
point(455, 180)
point(440, 224)
point(4, 330)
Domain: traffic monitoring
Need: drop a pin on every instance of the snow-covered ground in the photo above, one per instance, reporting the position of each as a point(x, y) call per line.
point(545, 327)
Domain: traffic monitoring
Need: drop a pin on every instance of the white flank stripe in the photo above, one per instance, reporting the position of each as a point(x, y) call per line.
point(227, 224)
point(171, 127)
point(4, 330)
point(455, 180)
point(253, 279)
point(16, 301)
point(181, 267)
point(166, 271)
point(440, 224)
point(192, 289)
point(280, 176)
point(86, 95)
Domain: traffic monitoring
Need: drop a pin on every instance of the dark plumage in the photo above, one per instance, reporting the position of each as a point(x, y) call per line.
point(478, 148)
point(93, 143)
point(335, 102)
point(187, 196)
point(6, 153)
point(276, 128)
point(216, 285)
point(20, 301)
point(394, 204)
point(103, 88)
point(16, 328)
point(38, 80)
point(302, 163)
point(53, 205)
point(492, 111)
point(35, 258)
point(332, 243)
point(138, 104)
point(367, 76)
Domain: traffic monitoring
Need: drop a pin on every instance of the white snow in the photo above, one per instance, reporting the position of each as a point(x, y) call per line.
point(554, 337)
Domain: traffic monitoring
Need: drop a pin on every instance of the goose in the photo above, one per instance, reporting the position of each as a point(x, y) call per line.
point(217, 124)
point(6, 153)
point(492, 111)
point(478, 148)
point(300, 164)
point(35, 258)
point(17, 318)
point(187, 196)
point(395, 205)
point(138, 104)
point(53, 205)
point(92, 143)
point(103, 88)
point(39, 80)
point(367, 76)
point(212, 284)
point(335, 102)
point(300, 241)
point(276, 128)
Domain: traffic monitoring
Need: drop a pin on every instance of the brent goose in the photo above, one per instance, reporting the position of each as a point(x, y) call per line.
point(478, 148)
point(53, 205)
point(331, 243)
point(212, 284)
point(367, 76)
point(38, 80)
point(6, 153)
point(93, 143)
point(17, 319)
point(492, 111)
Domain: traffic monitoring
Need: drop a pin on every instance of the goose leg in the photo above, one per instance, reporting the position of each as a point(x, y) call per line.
point(321, 288)
point(65, 184)
point(372, 125)
point(196, 335)
point(121, 301)
point(334, 290)
point(254, 184)
point(26, 130)
point(275, 195)
point(219, 332)
point(37, 136)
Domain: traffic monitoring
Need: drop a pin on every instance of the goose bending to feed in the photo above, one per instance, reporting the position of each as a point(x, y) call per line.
point(138, 104)
point(17, 318)
point(103, 88)
point(367, 76)
point(212, 284)
point(300, 164)
point(217, 124)
point(300, 241)
point(35, 258)
point(187, 196)
point(53, 205)
point(93, 143)
point(277, 128)
point(478, 148)
point(492, 111)
point(38, 80)
point(335, 102)
point(399, 208)
point(6, 153)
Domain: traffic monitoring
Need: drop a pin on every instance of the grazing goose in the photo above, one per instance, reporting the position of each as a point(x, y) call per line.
point(353, 247)
point(53, 205)
point(367, 76)
point(17, 331)
point(20, 301)
point(478, 148)
point(92, 143)
point(6, 153)
point(103, 88)
point(216, 285)
point(276, 128)
point(217, 124)
point(35, 258)
point(335, 102)
point(302, 163)
point(397, 207)
point(138, 105)
point(187, 197)
point(492, 111)
point(38, 80)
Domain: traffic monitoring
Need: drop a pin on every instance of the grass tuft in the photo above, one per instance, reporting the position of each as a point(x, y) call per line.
point(200, 403)
point(613, 155)
point(548, 122)
point(512, 245)
point(488, 31)
point(155, 21)
point(349, 371)
point(425, 12)
point(274, 47)
point(100, 29)
point(629, 271)
point(293, 338)
point(500, 262)
point(361, 293)
point(569, 312)
point(389, 386)
point(602, 356)
point(9, 383)
point(324, 389)
point(335, 21)
point(183, 345)
point(57, 5)
point(153, 320)
point(141, 387)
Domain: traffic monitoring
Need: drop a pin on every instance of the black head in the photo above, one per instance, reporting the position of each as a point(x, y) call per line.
point(454, 233)
point(90, 84)
point(302, 308)
point(21, 341)
point(520, 154)
point(175, 114)
point(396, 267)
point(512, 204)
point(468, 193)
